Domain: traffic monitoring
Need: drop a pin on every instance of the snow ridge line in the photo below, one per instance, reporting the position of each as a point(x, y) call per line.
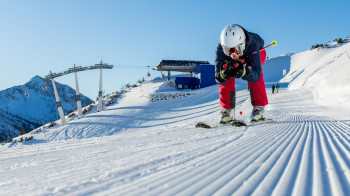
point(244, 160)
point(215, 161)
point(271, 169)
point(188, 163)
point(304, 174)
point(294, 152)
point(145, 186)
point(334, 185)
point(341, 138)
point(285, 174)
point(241, 162)
point(341, 142)
point(300, 118)
point(341, 165)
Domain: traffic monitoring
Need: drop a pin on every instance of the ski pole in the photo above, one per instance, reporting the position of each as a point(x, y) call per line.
point(273, 43)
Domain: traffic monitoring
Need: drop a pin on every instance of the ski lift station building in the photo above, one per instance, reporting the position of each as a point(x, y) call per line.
point(202, 73)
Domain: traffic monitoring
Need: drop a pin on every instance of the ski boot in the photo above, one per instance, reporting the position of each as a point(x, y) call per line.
point(258, 114)
point(227, 116)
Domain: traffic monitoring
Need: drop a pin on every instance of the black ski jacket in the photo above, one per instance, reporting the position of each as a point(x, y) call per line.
point(251, 56)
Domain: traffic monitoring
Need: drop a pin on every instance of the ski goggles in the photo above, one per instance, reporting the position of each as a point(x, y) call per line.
point(237, 50)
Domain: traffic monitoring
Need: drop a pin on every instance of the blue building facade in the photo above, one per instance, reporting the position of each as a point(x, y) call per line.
point(204, 76)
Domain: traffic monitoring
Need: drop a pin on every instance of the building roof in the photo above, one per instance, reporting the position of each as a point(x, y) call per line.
point(178, 65)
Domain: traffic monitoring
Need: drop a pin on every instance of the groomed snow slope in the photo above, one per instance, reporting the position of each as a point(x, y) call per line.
point(154, 149)
point(138, 147)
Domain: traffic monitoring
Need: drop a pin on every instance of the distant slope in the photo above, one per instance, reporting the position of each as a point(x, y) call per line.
point(323, 71)
point(37, 109)
point(10, 125)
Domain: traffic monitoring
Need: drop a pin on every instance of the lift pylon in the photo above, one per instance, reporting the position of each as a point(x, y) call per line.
point(59, 105)
point(77, 94)
point(74, 70)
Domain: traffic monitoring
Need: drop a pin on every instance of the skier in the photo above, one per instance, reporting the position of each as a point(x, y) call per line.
point(238, 47)
point(277, 87)
point(273, 88)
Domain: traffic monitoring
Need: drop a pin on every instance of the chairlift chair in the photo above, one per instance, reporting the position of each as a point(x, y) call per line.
point(26, 93)
point(148, 74)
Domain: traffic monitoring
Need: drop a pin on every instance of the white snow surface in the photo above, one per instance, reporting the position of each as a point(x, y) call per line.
point(324, 71)
point(139, 147)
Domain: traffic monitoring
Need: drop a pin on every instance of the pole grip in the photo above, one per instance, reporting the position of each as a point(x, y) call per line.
point(273, 43)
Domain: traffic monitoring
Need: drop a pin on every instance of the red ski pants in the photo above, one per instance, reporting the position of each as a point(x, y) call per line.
point(257, 90)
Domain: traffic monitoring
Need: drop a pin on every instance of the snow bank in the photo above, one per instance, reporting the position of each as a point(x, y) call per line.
point(273, 68)
point(323, 71)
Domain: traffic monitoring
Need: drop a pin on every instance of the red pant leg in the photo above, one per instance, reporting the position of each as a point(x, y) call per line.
point(228, 94)
point(257, 89)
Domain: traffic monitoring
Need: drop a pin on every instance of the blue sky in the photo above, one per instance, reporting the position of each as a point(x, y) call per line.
point(38, 36)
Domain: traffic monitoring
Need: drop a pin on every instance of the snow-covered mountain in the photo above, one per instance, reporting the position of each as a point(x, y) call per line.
point(18, 111)
point(145, 143)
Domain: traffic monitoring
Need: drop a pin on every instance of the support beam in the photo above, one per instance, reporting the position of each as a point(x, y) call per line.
point(77, 69)
point(59, 105)
point(99, 104)
point(80, 113)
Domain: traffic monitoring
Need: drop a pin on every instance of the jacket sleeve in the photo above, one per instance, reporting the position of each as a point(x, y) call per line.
point(254, 66)
point(220, 58)
point(253, 59)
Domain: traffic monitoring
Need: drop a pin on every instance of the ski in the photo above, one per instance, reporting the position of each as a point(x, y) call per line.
point(236, 123)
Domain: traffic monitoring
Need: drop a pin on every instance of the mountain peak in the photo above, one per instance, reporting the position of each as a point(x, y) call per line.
point(36, 79)
point(35, 82)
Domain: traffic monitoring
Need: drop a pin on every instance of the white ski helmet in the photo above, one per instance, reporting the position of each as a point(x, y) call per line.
point(233, 37)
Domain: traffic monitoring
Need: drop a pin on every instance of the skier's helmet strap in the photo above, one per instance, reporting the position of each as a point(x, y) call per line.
point(233, 37)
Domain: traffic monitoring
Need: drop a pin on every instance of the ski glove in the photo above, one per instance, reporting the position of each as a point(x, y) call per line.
point(225, 72)
point(238, 70)
point(232, 69)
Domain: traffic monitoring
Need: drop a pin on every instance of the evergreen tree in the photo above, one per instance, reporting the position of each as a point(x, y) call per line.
point(340, 41)
point(21, 132)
